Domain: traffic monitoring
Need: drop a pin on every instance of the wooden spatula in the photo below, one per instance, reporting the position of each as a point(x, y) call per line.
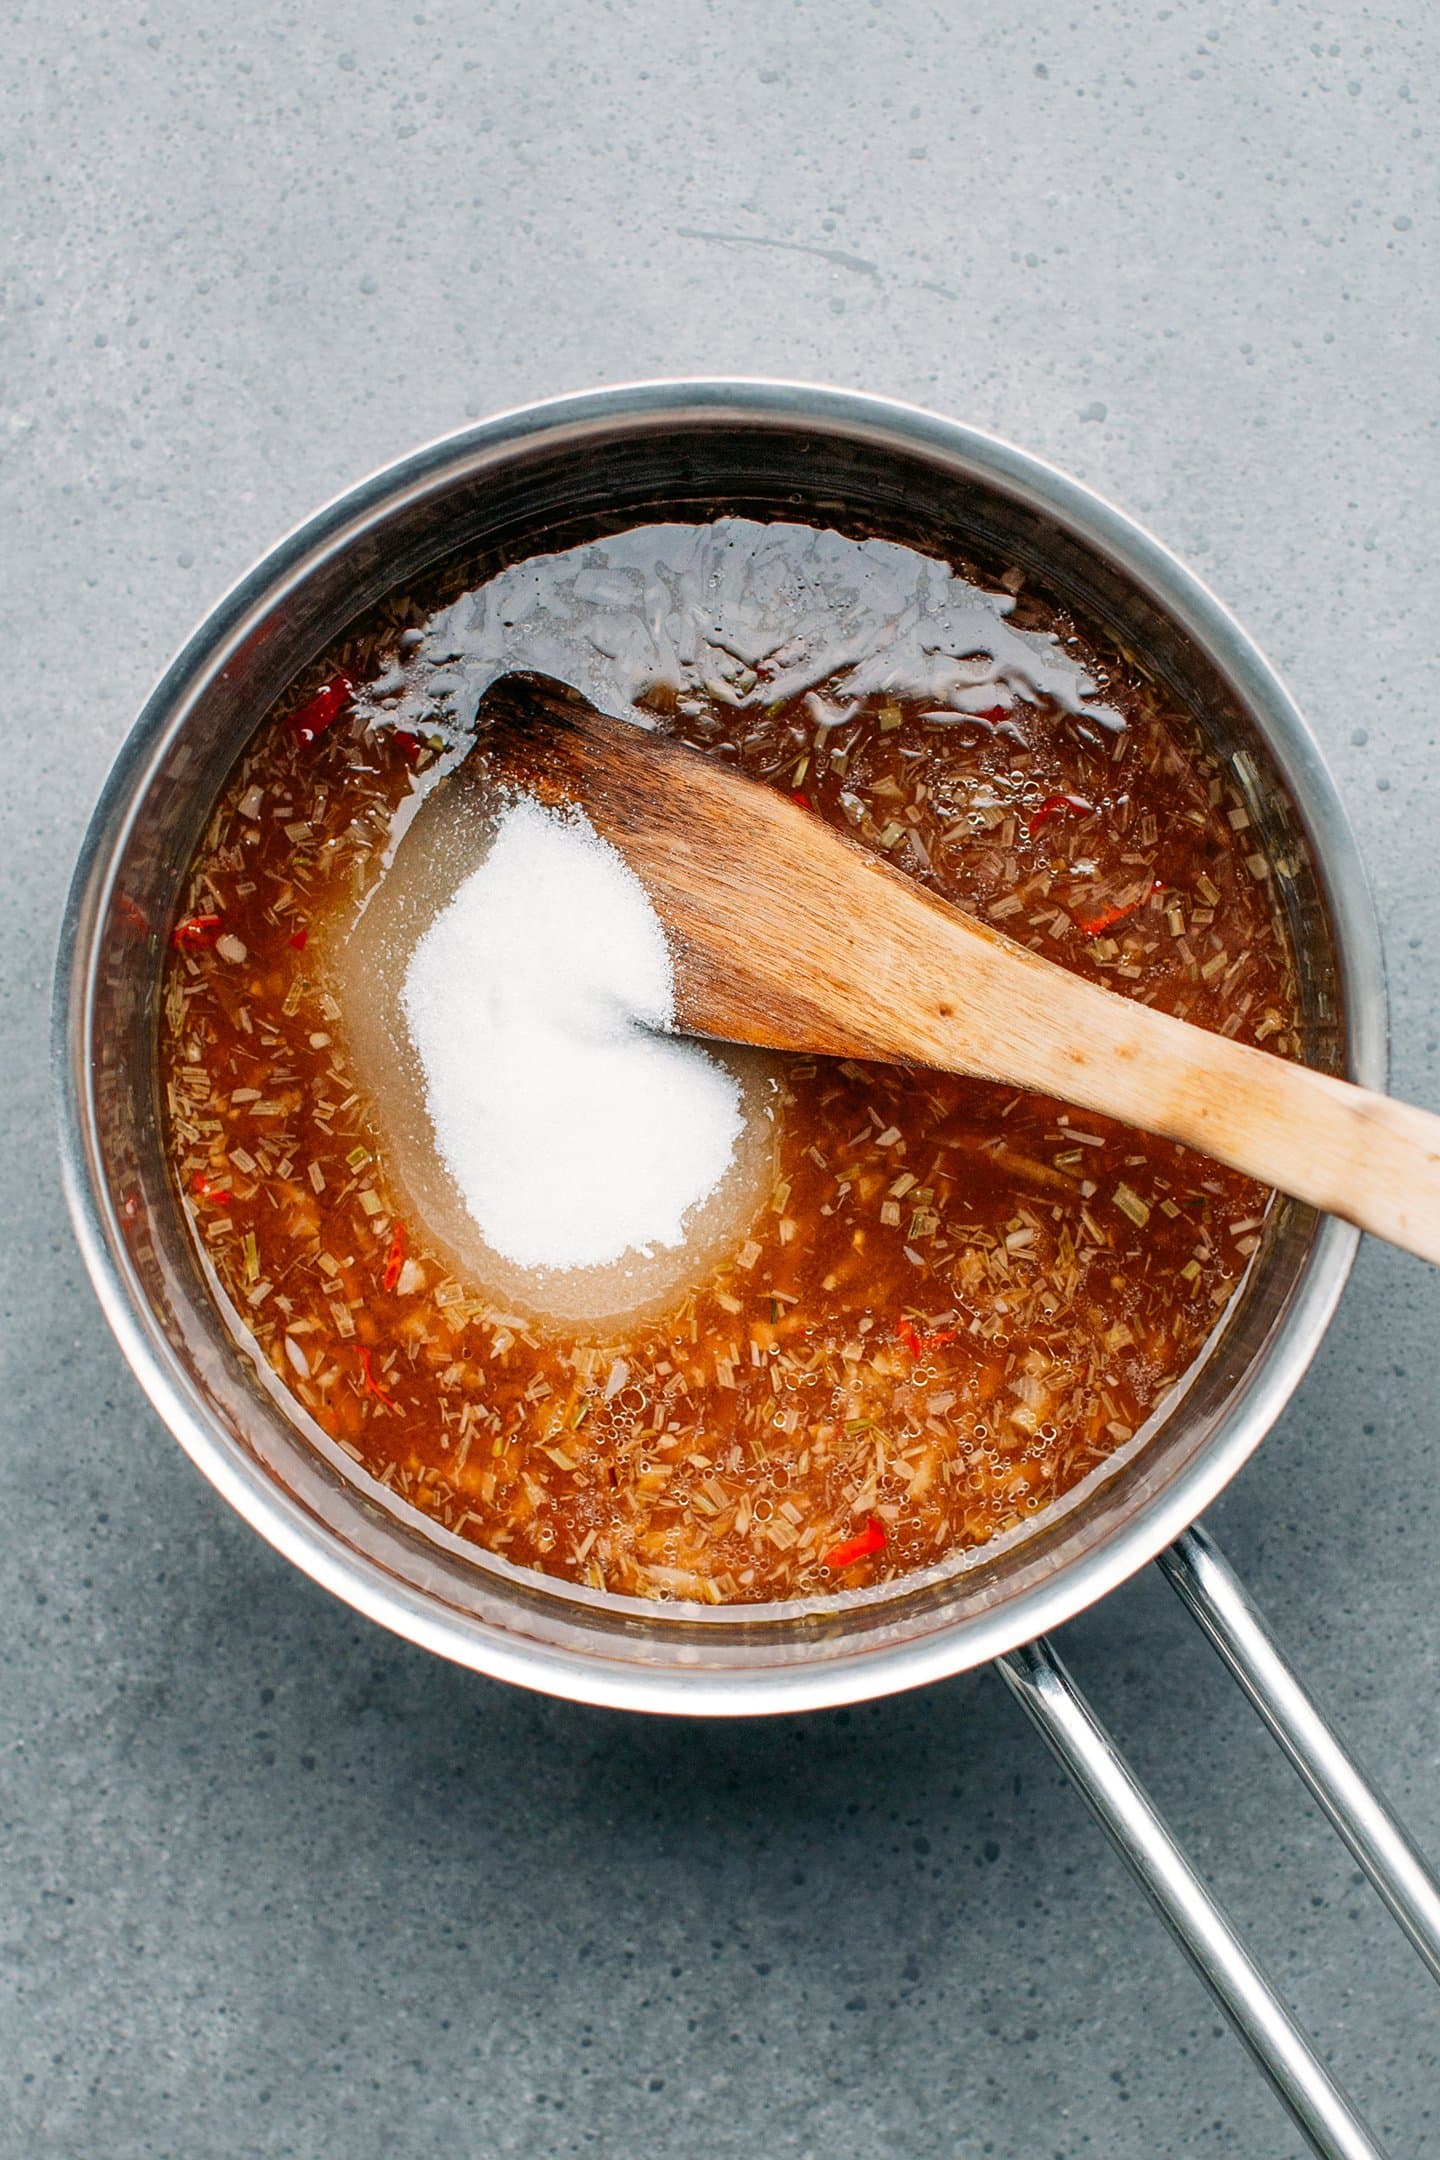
point(787, 934)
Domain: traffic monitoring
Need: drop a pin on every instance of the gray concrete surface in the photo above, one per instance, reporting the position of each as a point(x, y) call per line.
point(276, 1884)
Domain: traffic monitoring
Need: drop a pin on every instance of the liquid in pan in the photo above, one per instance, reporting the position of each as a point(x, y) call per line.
point(914, 1310)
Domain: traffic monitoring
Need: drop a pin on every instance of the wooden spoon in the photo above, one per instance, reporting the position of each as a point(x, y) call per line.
point(787, 934)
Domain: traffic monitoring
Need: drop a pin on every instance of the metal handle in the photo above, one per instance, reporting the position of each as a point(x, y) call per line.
point(1037, 1678)
point(1218, 1600)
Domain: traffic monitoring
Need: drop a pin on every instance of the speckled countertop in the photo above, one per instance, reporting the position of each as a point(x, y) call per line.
point(275, 1883)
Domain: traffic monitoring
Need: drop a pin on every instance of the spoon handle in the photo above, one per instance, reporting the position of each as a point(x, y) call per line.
point(941, 989)
point(922, 981)
point(1363, 1156)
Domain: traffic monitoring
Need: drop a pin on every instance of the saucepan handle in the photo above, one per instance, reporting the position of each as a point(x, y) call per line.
point(1212, 1591)
point(1214, 1595)
point(1084, 1748)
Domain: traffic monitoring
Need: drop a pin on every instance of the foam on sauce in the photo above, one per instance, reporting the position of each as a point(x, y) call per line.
point(505, 994)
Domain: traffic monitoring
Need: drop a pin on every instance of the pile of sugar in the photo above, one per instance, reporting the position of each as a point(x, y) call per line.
point(575, 1132)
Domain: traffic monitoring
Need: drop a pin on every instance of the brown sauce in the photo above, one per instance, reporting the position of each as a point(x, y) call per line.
point(954, 1303)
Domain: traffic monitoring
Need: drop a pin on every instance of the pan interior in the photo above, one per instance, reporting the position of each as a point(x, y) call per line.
point(488, 505)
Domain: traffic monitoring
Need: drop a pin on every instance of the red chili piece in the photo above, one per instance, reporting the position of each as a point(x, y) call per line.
point(198, 934)
point(796, 796)
point(320, 711)
point(394, 1259)
point(206, 1189)
point(408, 743)
point(299, 939)
point(1056, 806)
point(872, 1539)
point(367, 1369)
point(1108, 917)
point(917, 1344)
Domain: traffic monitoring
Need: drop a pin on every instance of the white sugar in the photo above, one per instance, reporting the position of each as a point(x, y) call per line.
point(574, 1132)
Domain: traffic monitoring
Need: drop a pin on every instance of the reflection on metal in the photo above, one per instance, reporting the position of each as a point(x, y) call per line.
point(1080, 1742)
point(1219, 1601)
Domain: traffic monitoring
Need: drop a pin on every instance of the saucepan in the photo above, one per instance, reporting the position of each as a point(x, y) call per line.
point(544, 478)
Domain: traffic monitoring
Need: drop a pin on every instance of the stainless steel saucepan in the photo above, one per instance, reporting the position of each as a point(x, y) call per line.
point(540, 479)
